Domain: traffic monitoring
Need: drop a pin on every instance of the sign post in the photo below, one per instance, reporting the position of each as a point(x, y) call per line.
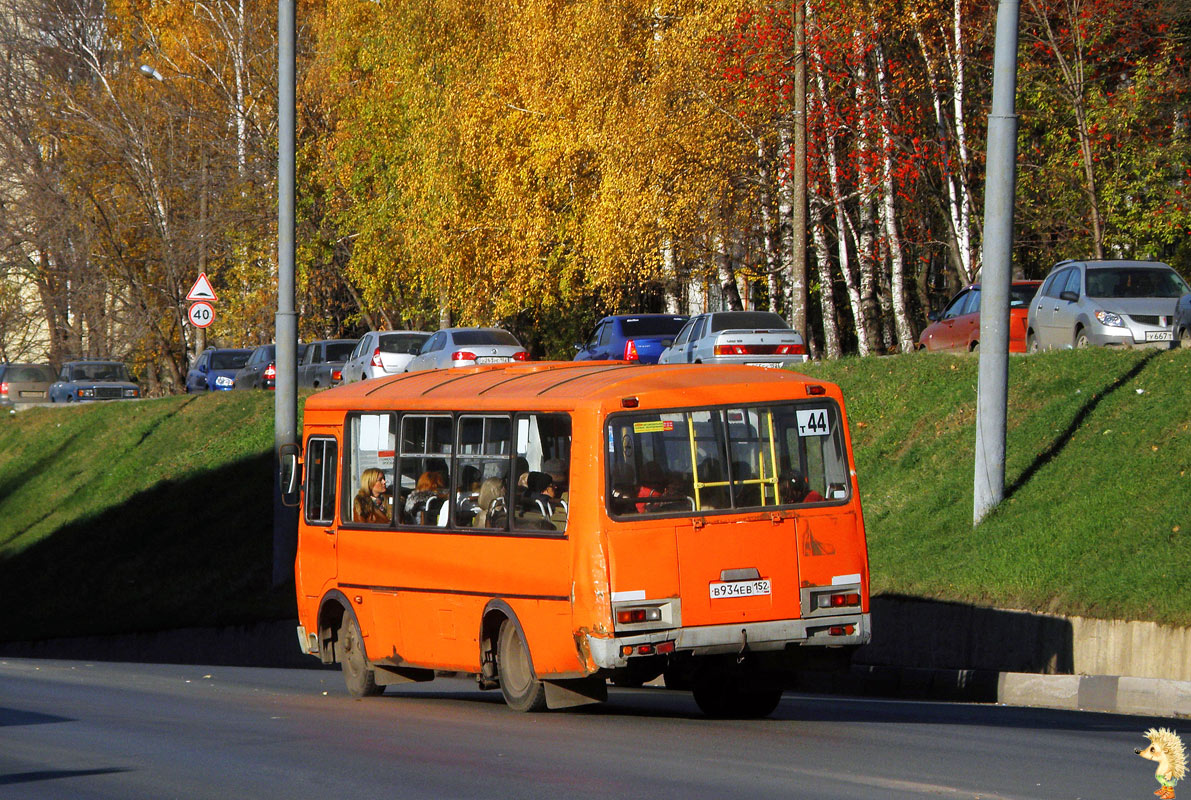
point(201, 294)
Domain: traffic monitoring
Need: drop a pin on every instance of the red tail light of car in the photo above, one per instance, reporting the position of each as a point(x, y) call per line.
point(630, 351)
point(521, 355)
point(336, 375)
point(463, 355)
point(3, 388)
point(271, 373)
point(376, 361)
point(759, 349)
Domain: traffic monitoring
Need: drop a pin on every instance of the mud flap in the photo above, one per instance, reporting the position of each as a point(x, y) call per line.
point(387, 676)
point(576, 692)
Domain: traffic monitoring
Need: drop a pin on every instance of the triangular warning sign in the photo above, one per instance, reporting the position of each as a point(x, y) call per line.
point(202, 289)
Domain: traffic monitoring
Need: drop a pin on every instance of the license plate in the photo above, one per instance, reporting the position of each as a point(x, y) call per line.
point(32, 394)
point(766, 364)
point(491, 360)
point(739, 589)
point(1158, 336)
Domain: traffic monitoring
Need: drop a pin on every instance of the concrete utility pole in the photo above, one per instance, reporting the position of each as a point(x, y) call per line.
point(798, 294)
point(996, 269)
point(285, 408)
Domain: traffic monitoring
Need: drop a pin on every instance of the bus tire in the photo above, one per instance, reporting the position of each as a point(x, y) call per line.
point(521, 690)
point(357, 674)
point(721, 697)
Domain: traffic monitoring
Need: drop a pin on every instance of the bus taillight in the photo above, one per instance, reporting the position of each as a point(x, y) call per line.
point(839, 600)
point(626, 615)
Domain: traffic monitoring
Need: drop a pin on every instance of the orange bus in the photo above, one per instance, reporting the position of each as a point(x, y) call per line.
point(547, 527)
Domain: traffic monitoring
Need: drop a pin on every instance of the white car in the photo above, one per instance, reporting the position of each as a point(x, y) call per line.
point(466, 347)
point(381, 353)
point(755, 338)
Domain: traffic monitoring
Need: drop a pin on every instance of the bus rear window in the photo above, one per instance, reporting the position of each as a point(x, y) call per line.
point(742, 458)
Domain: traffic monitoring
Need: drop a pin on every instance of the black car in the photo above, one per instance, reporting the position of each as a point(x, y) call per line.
point(25, 383)
point(322, 365)
point(81, 381)
point(260, 371)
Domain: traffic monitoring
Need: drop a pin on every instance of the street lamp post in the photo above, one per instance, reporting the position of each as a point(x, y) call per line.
point(285, 410)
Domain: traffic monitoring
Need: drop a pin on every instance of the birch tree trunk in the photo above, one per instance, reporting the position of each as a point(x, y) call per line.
point(831, 343)
point(905, 335)
point(842, 223)
point(865, 218)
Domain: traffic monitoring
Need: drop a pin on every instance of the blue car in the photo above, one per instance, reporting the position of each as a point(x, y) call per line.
point(630, 337)
point(215, 370)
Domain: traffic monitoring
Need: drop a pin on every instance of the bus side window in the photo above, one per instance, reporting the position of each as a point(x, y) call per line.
point(368, 452)
point(321, 459)
point(543, 450)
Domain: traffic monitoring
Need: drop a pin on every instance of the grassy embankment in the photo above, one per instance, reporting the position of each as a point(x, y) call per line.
point(154, 514)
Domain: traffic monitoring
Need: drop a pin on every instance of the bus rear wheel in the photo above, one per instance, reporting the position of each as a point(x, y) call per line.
point(724, 697)
point(359, 677)
point(521, 690)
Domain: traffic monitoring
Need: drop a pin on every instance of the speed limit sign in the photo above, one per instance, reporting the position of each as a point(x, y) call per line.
point(201, 314)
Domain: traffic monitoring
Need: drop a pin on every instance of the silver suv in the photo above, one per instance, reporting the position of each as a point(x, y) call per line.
point(1106, 303)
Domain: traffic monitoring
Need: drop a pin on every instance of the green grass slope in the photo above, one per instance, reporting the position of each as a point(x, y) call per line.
point(158, 514)
point(136, 516)
point(1098, 481)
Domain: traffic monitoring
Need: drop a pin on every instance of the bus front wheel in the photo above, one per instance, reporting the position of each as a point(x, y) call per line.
point(521, 690)
point(359, 677)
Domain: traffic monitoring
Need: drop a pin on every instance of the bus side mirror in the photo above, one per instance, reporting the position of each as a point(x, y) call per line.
point(289, 473)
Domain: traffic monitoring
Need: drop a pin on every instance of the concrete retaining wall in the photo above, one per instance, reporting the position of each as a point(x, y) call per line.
point(916, 633)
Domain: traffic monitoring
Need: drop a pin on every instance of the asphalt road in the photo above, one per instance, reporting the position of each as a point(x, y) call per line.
point(73, 729)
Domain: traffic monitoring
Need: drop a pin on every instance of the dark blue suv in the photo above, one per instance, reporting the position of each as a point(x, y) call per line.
point(215, 369)
point(630, 337)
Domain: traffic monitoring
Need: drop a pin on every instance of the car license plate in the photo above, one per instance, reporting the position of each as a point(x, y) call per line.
point(32, 394)
point(766, 364)
point(739, 589)
point(491, 360)
point(1158, 336)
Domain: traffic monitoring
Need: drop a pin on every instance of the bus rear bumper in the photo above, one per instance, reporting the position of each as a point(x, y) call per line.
point(834, 631)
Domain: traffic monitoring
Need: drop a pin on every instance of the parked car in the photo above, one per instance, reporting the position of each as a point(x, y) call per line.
point(380, 353)
point(465, 347)
point(322, 365)
point(215, 369)
point(260, 370)
point(1180, 332)
point(80, 381)
point(1105, 303)
point(957, 326)
point(25, 383)
point(635, 337)
point(755, 338)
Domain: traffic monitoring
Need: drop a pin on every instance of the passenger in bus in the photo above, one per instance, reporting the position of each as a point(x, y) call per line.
point(423, 503)
point(558, 470)
point(793, 487)
point(653, 484)
point(373, 502)
point(466, 506)
point(491, 501)
point(536, 505)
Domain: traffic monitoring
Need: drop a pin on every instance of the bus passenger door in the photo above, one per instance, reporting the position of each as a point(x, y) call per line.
point(316, 567)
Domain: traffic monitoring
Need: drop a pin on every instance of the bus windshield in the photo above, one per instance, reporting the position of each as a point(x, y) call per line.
point(742, 458)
